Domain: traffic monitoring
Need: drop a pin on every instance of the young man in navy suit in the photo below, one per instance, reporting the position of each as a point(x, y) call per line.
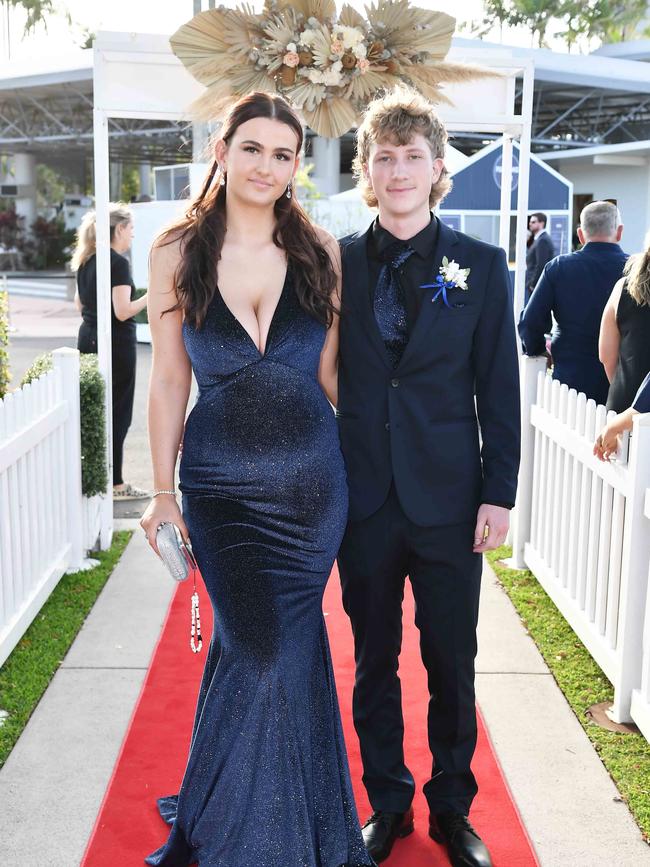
point(428, 360)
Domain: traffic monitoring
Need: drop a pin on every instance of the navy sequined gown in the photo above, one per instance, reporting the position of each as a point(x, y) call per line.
point(265, 500)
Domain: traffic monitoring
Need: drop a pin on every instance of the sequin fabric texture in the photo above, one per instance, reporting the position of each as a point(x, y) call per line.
point(265, 498)
point(389, 305)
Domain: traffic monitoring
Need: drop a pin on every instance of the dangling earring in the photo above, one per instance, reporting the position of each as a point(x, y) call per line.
point(222, 182)
point(288, 193)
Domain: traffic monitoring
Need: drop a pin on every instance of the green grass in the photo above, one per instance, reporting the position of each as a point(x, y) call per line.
point(32, 664)
point(626, 756)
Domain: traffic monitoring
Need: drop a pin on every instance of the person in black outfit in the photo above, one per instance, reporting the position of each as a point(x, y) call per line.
point(123, 340)
point(624, 344)
point(540, 251)
point(573, 290)
point(420, 367)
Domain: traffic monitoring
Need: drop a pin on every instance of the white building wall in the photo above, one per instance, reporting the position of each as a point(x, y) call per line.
point(149, 219)
point(629, 185)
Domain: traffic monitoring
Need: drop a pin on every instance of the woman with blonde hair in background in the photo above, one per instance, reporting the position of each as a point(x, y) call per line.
point(624, 344)
point(124, 306)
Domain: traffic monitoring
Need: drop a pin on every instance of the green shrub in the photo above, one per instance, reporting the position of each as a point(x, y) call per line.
point(94, 474)
point(49, 244)
point(37, 368)
point(5, 375)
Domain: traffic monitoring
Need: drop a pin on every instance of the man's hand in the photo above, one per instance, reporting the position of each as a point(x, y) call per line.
point(492, 524)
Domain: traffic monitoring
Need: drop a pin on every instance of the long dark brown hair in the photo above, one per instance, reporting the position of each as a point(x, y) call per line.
point(202, 230)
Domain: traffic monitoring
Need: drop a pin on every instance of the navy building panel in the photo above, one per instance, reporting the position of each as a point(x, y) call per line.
point(477, 187)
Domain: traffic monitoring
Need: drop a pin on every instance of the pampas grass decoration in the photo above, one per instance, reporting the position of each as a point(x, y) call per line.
point(329, 68)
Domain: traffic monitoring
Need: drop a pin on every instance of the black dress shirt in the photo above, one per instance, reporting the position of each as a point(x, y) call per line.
point(417, 269)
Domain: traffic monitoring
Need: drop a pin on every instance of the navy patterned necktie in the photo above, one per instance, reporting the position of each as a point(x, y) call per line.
point(389, 303)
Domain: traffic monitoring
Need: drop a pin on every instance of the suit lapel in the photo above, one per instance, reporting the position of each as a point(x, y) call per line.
point(429, 312)
point(356, 290)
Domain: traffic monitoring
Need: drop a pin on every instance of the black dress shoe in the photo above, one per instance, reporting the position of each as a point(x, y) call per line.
point(464, 846)
point(382, 829)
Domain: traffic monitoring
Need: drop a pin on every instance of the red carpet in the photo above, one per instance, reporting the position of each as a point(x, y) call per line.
point(153, 755)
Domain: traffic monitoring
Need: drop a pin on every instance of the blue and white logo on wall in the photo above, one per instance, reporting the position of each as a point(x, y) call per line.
point(497, 170)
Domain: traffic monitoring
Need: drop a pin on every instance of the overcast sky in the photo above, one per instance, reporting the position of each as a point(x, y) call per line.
point(154, 16)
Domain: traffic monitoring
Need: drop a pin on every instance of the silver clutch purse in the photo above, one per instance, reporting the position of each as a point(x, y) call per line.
point(175, 553)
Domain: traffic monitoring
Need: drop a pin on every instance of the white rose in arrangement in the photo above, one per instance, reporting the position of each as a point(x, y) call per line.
point(291, 47)
point(331, 77)
point(349, 36)
point(360, 50)
point(308, 37)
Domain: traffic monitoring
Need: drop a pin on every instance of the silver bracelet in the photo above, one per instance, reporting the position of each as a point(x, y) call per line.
point(158, 493)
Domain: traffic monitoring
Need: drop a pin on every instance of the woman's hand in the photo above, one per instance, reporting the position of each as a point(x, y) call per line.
point(162, 509)
point(607, 443)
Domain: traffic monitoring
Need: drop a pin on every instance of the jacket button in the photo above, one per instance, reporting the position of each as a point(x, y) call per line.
point(394, 383)
point(387, 425)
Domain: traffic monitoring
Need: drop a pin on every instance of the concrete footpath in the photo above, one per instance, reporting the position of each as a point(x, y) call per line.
point(53, 783)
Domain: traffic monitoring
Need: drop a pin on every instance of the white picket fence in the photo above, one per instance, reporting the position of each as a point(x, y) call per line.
point(640, 708)
point(46, 525)
point(580, 528)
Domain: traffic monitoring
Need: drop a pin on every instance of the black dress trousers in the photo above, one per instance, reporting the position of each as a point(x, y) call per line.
point(376, 556)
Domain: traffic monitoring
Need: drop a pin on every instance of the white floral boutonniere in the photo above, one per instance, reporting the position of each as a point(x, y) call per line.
point(450, 276)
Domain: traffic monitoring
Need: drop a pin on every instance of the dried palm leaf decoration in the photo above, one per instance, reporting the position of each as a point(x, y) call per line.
point(328, 66)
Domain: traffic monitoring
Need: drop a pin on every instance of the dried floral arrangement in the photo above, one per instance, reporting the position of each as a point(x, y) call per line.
point(328, 65)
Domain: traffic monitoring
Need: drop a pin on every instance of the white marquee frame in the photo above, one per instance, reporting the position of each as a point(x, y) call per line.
point(137, 76)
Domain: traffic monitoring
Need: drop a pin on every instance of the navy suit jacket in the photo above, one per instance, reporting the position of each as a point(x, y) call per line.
point(418, 424)
point(574, 288)
point(538, 254)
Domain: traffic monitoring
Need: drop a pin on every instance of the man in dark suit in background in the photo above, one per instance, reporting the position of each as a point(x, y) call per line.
point(426, 358)
point(574, 290)
point(540, 251)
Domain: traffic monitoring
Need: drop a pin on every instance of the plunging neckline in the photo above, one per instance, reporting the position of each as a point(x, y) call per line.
point(243, 328)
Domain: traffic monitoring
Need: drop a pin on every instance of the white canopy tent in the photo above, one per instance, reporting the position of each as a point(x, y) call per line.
point(137, 76)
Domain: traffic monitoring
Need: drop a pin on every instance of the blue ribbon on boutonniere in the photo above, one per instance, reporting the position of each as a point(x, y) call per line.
point(441, 285)
point(450, 276)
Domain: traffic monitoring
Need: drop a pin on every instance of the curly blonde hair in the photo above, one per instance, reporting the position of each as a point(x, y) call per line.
point(397, 116)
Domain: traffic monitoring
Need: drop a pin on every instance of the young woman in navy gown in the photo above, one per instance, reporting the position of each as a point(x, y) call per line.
point(243, 292)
